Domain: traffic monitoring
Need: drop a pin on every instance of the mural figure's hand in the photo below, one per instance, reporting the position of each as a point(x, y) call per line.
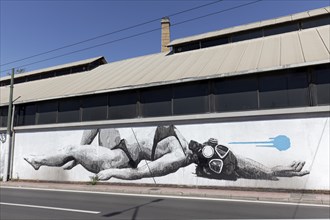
point(295, 169)
point(104, 174)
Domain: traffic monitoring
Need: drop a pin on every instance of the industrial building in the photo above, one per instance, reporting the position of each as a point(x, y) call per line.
point(258, 78)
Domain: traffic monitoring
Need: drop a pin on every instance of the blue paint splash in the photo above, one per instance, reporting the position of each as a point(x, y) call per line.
point(280, 142)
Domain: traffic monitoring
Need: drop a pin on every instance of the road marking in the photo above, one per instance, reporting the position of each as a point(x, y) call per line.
point(48, 207)
point(171, 197)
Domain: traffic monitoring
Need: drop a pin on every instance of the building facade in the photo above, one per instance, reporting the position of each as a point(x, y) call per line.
point(246, 106)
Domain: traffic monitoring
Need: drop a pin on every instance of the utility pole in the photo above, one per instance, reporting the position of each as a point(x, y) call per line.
point(9, 131)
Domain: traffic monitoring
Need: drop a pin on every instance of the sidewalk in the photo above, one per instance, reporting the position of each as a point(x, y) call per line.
point(292, 197)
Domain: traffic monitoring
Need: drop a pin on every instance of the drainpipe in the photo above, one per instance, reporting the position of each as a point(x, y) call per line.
point(9, 133)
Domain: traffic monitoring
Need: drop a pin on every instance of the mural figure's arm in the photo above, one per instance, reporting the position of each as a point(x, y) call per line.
point(86, 139)
point(251, 169)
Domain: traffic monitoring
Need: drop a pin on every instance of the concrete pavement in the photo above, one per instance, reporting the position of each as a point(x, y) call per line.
point(237, 194)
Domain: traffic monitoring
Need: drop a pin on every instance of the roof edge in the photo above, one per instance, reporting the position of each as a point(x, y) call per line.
point(253, 25)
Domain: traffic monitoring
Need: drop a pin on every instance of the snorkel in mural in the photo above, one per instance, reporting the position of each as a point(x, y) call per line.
point(280, 142)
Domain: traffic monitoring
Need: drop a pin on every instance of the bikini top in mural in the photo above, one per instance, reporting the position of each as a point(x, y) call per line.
point(213, 159)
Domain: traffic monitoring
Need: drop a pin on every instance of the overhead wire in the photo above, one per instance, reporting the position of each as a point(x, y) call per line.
point(111, 33)
point(136, 35)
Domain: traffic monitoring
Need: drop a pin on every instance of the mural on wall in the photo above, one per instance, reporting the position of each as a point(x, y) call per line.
point(166, 151)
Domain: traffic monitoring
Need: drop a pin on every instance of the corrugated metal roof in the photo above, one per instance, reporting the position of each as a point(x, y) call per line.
point(298, 16)
point(300, 48)
point(58, 67)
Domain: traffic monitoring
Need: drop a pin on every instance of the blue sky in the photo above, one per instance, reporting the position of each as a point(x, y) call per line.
point(29, 27)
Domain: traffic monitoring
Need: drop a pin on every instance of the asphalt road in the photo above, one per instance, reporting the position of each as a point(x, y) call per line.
point(40, 204)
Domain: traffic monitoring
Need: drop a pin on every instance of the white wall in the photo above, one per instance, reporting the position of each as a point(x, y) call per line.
point(309, 139)
point(2, 158)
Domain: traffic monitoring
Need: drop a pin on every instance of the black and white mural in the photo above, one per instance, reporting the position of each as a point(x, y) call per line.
point(290, 153)
point(166, 151)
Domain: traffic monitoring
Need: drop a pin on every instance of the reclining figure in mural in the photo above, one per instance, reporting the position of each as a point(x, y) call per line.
point(166, 153)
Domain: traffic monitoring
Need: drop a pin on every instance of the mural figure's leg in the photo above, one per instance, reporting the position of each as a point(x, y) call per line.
point(108, 138)
point(94, 159)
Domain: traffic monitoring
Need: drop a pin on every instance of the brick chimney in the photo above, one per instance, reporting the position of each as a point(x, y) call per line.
point(165, 33)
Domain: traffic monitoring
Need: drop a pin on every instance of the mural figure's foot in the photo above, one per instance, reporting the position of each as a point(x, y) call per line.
point(32, 162)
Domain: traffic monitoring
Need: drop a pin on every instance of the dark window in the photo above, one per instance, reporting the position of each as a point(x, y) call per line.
point(78, 69)
point(191, 98)
point(316, 22)
point(273, 91)
point(282, 28)
point(69, 110)
point(298, 88)
point(33, 77)
point(186, 47)
point(322, 83)
point(19, 80)
point(47, 75)
point(246, 35)
point(62, 72)
point(47, 112)
point(214, 42)
point(156, 102)
point(5, 83)
point(94, 107)
point(27, 114)
point(3, 116)
point(284, 90)
point(123, 105)
point(235, 94)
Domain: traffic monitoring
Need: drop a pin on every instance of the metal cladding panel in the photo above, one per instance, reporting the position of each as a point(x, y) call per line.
point(177, 72)
point(253, 25)
point(233, 58)
point(148, 72)
point(4, 94)
point(301, 15)
point(203, 60)
point(267, 22)
point(119, 71)
point(270, 54)
point(313, 46)
point(283, 19)
point(291, 51)
point(324, 33)
point(250, 59)
point(154, 70)
point(327, 9)
point(214, 65)
point(318, 11)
